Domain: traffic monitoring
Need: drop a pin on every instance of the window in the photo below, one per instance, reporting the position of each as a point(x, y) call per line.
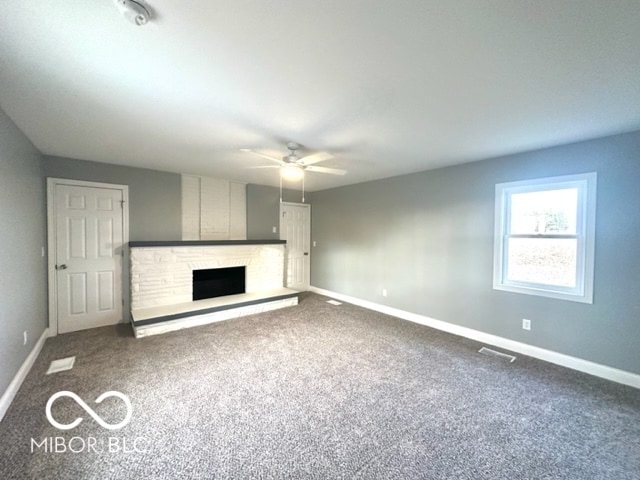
point(545, 235)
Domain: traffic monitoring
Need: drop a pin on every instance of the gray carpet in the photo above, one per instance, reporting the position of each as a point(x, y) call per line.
point(317, 391)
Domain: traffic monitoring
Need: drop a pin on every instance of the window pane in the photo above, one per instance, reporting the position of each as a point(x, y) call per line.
point(550, 261)
point(544, 212)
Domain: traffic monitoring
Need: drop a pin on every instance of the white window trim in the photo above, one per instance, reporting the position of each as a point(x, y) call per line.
point(585, 228)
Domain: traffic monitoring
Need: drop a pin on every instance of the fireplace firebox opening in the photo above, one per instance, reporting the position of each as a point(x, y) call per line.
point(218, 282)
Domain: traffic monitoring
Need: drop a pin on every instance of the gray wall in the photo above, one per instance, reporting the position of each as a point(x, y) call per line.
point(428, 239)
point(263, 210)
point(23, 298)
point(154, 197)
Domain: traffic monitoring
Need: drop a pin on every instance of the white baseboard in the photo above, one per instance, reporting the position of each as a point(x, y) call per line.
point(596, 369)
point(14, 386)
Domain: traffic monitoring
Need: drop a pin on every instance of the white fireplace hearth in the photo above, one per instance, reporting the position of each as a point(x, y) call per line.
point(162, 282)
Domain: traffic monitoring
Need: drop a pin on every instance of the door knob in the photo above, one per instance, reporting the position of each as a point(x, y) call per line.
point(61, 267)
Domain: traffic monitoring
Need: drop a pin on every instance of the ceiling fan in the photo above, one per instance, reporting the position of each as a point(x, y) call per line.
point(292, 166)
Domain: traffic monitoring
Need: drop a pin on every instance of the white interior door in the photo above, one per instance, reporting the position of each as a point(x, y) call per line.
point(295, 228)
point(89, 241)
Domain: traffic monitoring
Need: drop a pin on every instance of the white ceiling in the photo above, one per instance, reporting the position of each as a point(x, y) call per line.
point(387, 86)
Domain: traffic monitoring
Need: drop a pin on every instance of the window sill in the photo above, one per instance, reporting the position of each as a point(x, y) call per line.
point(542, 292)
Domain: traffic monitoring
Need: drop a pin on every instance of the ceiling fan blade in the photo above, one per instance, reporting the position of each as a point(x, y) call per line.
point(332, 171)
point(268, 157)
point(314, 158)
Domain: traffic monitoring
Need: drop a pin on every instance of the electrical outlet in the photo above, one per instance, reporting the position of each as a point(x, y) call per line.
point(526, 324)
point(24, 339)
point(314, 243)
point(274, 230)
point(384, 292)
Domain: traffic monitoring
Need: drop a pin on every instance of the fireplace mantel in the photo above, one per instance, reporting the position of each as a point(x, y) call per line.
point(201, 243)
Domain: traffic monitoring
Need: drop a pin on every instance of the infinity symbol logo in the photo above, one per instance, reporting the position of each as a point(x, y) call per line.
point(89, 410)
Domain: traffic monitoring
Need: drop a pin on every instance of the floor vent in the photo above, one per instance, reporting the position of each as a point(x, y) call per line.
point(61, 365)
point(493, 353)
point(334, 302)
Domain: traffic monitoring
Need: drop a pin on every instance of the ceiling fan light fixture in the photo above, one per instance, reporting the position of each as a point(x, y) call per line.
point(291, 172)
point(135, 11)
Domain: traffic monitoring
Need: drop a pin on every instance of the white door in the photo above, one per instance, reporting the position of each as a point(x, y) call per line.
point(89, 242)
point(295, 228)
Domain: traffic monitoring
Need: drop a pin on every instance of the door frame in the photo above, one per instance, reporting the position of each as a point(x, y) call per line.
point(52, 242)
point(308, 206)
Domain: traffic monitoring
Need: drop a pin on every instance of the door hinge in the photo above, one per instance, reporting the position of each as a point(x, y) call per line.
point(121, 203)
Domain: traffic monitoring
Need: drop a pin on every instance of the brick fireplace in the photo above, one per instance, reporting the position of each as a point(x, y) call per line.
point(162, 281)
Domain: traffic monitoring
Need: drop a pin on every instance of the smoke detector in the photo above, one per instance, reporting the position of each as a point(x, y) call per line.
point(136, 11)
